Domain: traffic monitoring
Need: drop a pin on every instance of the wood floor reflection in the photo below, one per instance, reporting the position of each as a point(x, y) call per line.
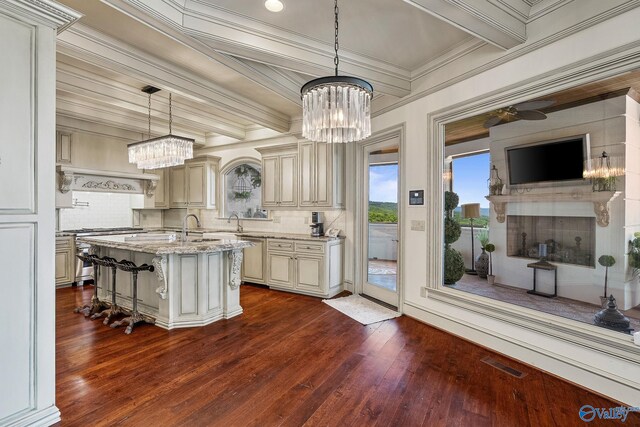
point(292, 360)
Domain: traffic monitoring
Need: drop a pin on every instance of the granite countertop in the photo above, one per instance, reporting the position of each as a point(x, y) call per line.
point(166, 247)
point(258, 234)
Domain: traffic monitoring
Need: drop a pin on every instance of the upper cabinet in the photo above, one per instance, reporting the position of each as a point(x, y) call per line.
point(161, 195)
point(280, 176)
point(194, 184)
point(321, 174)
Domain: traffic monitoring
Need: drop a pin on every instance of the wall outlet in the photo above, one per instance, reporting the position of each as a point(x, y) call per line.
point(276, 220)
point(417, 225)
point(423, 292)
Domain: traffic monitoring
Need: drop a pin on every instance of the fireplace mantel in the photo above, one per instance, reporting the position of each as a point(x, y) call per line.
point(600, 200)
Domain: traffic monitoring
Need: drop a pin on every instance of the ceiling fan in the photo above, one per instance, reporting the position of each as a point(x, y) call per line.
point(524, 111)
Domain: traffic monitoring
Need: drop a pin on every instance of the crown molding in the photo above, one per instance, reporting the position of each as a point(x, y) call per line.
point(493, 22)
point(46, 12)
point(100, 50)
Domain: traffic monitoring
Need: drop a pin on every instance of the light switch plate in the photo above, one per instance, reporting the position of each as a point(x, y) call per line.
point(417, 225)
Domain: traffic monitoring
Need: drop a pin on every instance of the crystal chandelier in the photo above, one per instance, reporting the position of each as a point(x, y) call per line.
point(161, 152)
point(336, 108)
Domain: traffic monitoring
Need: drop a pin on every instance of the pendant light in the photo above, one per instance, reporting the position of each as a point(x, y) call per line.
point(161, 152)
point(336, 108)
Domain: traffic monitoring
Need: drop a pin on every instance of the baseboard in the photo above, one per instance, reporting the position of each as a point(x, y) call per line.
point(44, 417)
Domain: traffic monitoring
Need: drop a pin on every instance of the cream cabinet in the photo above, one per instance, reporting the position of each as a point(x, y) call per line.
point(65, 262)
point(194, 184)
point(161, 195)
point(321, 174)
point(254, 264)
point(279, 176)
point(307, 267)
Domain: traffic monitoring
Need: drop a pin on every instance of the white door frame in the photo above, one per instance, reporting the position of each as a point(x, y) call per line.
point(361, 212)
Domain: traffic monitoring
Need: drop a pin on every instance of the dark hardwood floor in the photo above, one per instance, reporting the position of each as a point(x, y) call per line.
point(292, 360)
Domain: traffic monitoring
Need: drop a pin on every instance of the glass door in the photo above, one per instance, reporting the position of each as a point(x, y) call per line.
point(381, 233)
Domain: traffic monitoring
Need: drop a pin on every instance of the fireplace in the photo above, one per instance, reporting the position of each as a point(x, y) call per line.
point(568, 239)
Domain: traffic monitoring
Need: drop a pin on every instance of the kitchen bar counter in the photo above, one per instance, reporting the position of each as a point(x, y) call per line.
point(257, 234)
point(194, 283)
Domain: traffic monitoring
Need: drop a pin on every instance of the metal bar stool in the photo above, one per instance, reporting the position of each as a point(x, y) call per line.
point(96, 305)
point(135, 316)
point(115, 309)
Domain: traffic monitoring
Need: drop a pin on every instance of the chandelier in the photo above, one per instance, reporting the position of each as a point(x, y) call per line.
point(161, 152)
point(336, 108)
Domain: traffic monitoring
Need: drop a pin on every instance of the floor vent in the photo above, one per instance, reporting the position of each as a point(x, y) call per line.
point(504, 368)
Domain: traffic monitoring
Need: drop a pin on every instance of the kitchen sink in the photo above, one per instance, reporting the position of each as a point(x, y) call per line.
point(220, 235)
point(152, 237)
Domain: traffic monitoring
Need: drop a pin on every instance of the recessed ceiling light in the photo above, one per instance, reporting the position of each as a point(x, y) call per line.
point(274, 5)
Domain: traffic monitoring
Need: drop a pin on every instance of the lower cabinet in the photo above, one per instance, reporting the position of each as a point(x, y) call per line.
point(254, 265)
point(308, 267)
point(65, 261)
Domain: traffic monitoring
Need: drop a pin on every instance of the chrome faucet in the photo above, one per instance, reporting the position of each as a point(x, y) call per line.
point(238, 227)
point(184, 225)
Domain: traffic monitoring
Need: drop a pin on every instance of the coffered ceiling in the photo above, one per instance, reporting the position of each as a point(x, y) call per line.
point(234, 67)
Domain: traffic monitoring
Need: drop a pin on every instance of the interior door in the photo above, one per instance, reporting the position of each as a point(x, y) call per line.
point(380, 221)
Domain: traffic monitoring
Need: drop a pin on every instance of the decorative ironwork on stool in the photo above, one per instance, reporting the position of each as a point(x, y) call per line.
point(135, 316)
point(96, 305)
point(115, 309)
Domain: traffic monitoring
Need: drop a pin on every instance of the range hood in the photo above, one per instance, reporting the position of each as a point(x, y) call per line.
point(70, 178)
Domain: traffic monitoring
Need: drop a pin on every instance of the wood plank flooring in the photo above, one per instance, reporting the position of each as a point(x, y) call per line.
point(291, 360)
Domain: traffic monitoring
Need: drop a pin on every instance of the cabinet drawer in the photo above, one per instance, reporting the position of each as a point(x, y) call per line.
point(308, 247)
point(63, 242)
point(280, 245)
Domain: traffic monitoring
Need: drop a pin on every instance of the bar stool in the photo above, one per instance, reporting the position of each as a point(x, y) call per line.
point(96, 305)
point(135, 316)
point(115, 309)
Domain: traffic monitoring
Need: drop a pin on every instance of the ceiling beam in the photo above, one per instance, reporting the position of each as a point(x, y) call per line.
point(100, 50)
point(501, 25)
point(120, 97)
point(265, 44)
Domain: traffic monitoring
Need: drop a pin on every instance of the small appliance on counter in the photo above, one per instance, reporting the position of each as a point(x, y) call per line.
point(317, 226)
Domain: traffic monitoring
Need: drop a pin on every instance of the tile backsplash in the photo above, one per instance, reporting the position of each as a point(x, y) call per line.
point(94, 209)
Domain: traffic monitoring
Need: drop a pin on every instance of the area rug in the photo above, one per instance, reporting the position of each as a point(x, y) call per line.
point(361, 309)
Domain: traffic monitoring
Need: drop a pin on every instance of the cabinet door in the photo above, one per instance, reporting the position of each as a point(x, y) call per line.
point(307, 181)
point(337, 175)
point(161, 194)
point(196, 186)
point(270, 181)
point(281, 270)
point(253, 266)
point(310, 273)
point(323, 174)
point(288, 175)
point(177, 194)
point(63, 267)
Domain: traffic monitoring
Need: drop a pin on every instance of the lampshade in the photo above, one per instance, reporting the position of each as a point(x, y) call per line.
point(603, 166)
point(162, 152)
point(336, 108)
point(470, 210)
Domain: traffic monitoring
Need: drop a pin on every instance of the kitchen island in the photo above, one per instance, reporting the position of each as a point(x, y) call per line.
point(195, 282)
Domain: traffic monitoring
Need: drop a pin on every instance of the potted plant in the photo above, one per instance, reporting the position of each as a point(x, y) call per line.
point(482, 262)
point(490, 247)
point(453, 261)
point(606, 261)
point(634, 253)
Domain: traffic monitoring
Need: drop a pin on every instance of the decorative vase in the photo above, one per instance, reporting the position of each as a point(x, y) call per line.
point(482, 264)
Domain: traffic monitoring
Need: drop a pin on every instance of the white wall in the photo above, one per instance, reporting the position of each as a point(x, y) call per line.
point(543, 65)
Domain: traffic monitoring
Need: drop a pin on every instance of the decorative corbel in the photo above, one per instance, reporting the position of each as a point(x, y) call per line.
point(235, 258)
point(64, 181)
point(150, 188)
point(499, 208)
point(160, 264)
point(601, 210)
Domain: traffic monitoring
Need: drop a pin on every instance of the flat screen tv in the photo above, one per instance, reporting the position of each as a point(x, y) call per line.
point(560, 161)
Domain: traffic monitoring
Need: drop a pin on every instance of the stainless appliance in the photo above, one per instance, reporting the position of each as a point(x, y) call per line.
point(84, 270)
point(317, 226)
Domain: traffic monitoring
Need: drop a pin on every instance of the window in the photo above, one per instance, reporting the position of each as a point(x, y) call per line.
point(469, 177)
point(243, 191)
